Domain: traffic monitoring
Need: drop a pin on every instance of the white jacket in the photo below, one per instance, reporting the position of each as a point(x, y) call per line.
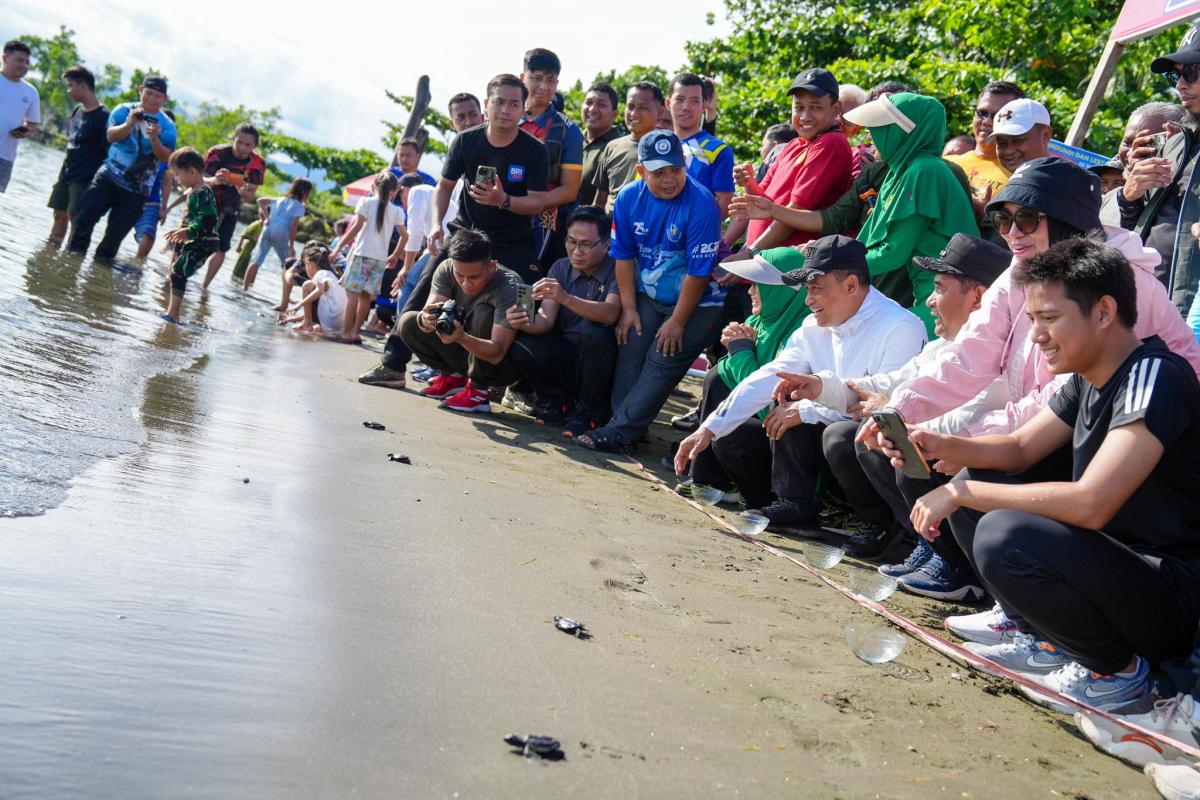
point(835, 394)
point(881, 336)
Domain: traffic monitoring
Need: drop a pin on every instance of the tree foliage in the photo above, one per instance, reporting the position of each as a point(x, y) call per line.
point(434, 121)
point(340, 166)
point(945, 48)
point(50, 57)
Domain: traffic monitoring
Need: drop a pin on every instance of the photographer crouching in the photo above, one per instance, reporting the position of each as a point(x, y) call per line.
point(462, 331)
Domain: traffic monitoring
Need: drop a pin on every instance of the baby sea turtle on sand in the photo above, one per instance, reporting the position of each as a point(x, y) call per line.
point(573, 627)
point(375, 426)
point(533, 746)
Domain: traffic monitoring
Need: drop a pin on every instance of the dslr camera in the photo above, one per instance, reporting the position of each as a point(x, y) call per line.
point(448, 313)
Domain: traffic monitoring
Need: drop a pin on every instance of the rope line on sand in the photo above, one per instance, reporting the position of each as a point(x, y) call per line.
point(929, 638)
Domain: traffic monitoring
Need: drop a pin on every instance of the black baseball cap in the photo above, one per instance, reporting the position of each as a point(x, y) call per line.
point(155, 82)
point(970, 256)
point(1189, 53)
point(1056, 187)
point(816, 81)
point(1113, 163)
point(827, 254)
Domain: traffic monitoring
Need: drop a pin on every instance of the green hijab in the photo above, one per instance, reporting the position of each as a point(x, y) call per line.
point(782, 311)
point(918, 181)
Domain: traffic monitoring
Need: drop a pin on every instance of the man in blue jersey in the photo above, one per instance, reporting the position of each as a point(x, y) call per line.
point(666, 229)
point(710, 161)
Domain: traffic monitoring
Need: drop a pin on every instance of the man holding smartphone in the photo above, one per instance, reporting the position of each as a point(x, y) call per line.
point(20, 107)
point(140, 135)
point(499, 201)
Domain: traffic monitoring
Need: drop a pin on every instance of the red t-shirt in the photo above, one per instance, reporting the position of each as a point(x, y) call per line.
point(242, 171)
point(809, 174)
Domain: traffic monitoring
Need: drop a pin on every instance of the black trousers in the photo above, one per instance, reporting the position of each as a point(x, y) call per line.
point(396, 353)
point(105, 197)
point(560, 369)
point(837, 442)
point(795, 462)
point(746, 451)
point(1083, 591)
point(454, 358)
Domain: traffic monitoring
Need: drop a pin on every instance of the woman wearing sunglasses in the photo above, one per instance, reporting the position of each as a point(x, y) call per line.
point(1045, 201)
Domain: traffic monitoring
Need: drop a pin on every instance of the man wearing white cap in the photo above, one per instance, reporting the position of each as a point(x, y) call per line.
point(1021, 132)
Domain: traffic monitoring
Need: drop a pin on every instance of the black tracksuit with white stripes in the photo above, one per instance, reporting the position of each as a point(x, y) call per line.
point(1133, 587)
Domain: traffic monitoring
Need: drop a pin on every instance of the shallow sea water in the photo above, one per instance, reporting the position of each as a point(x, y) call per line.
point(79, 339)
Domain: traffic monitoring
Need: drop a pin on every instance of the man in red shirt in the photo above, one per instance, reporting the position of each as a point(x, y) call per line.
point(234, 171)
point(811, 171)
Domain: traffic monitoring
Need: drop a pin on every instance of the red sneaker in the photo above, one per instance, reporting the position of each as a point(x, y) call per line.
point(469, 399)
point(444, 386)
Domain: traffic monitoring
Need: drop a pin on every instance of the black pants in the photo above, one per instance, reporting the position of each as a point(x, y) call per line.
point(837, 443)
point(900, 492)
point(105, 197)
point(1083, 591)
point(396, 354)
point(454, 358)
point(559, 369)
point(745, 450)
point(796, 462)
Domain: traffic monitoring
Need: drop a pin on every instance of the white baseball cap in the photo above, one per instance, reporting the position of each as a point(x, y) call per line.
point(1018, 117)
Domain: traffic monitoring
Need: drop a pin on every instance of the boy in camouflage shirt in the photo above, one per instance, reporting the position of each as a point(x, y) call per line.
point(196, 239)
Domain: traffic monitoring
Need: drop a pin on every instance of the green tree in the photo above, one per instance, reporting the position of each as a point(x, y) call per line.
point(212, 123)
point(435, 122)
point(340, 166)
point(945, 48)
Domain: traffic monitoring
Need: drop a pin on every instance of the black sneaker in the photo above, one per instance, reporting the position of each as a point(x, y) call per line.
point(688, 421)
point(787, 515)
point(552, 411)
point(868, 540)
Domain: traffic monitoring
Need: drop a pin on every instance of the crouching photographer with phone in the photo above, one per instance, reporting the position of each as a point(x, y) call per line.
point(463, 331)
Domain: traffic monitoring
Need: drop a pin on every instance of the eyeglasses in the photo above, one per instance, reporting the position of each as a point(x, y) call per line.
point(1026, 220)
point(1189, 73)
point(982, 113)
point(583, 247)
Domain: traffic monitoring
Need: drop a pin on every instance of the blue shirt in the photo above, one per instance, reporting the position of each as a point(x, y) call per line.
point(284, 210)
point(424, 176)
point(155, 195)
point(669, 239)
point(123, 165)
point(710, 162)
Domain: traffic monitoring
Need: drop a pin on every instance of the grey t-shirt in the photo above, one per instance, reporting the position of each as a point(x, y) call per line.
point(500, 293)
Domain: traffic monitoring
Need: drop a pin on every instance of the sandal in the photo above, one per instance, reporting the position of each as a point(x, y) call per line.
point(604, 441)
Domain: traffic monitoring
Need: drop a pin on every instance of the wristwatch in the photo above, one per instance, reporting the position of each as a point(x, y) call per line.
point(507, 202)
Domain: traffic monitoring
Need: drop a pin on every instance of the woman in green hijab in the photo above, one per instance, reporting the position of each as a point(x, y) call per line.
point(921, 204)
point(777, 312)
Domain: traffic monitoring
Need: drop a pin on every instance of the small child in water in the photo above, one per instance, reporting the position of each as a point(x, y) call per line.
point(196, 239)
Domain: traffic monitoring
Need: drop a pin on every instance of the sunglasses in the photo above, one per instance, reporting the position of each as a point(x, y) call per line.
point(1189, 73)
point(982, 113)
point(1026, 220)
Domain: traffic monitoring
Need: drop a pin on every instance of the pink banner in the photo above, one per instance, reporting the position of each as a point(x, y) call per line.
point(1142, 18)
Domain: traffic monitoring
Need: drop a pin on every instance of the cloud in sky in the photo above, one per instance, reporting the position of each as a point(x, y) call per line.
point(327, 67)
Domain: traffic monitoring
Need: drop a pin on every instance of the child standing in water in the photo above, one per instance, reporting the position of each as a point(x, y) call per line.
point(196, 239)
point(375, 219)
point(281, 217)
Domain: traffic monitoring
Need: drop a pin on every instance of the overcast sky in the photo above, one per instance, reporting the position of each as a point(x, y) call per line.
point(326, 68)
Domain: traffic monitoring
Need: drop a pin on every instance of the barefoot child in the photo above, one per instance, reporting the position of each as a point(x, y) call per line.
point(375, 219)
point(196, 240)
point(281, 218)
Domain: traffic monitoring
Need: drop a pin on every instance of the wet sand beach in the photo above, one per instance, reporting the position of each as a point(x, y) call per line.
point(346, 626)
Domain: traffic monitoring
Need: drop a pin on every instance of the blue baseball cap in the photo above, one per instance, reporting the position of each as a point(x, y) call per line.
point(658, 149)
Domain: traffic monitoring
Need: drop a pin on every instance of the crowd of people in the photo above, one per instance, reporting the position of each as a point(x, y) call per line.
point(982, 349)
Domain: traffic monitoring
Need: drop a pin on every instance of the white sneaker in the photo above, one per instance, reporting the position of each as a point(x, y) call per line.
point(1175, 782)
point(1023, 653)
point(1171, 717)
point(986, 627)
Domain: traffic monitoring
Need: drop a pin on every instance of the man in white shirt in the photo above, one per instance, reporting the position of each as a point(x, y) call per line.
point(962, 272)
point(853, 330)
point(20, 107)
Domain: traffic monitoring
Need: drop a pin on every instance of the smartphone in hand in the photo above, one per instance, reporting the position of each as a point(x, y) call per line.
point(484, 175)
point(893, 428)
point(525, 301)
